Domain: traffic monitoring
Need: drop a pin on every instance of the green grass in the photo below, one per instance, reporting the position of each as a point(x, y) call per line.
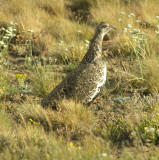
point(46, 41)
point(39, 79)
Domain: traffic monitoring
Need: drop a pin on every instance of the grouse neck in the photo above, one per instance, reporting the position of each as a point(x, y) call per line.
point(95, 48)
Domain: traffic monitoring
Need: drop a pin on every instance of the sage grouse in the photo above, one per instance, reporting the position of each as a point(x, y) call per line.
point(84, 82)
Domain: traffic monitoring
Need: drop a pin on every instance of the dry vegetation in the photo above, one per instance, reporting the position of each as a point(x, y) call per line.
point(40, 42)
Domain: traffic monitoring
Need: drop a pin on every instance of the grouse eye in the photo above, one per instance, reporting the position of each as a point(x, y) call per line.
point(105, 25)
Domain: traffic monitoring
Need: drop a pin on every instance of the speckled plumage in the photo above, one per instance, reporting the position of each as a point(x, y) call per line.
point(85, 81)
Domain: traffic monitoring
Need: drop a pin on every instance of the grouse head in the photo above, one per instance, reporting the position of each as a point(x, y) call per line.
point(104, 28)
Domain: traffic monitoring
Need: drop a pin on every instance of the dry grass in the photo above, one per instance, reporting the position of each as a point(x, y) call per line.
point(145, 75)
point(102, 11)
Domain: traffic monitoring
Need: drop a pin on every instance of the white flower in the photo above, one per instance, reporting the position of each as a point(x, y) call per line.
point(10, 29)
point(131, 32)
point(142, 33)
point(157, 26)
point(31, 31)
point(5, 37)
point(132, 14)
point(81, 47)
point(1, 42)
point(133, 133)
point(103, 155)
point(138, 21)
point(143, 41)
point(87, 41)
point(135, 38)
point(72, 45)
point(157, 17)
point(66, 50)
point(79, 31)
point(119, 20)
point(122, 12)
point(5, 46)
point(146, 129)
point(9, 32)
point(152, 130)
point(124, 30)
point(87, 45)
point(11, 23)
point(128, 16)
point(129, 26)
point(156, 32)
point(100, 156)
point(29, 59)
point(135, 31)
point(60, 43)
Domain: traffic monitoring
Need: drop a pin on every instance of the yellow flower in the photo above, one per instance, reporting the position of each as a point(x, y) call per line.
point(79, 147)
point(30, 120)
point(18, 76)
point(71, 144)
point(36, 123)
point(145, 116)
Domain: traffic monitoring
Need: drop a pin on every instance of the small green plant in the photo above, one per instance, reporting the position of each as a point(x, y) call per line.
point(70, 67)
point(3, 84)
point(118, 130)
point(21, 79)
point(149, 128)
point(22, 86)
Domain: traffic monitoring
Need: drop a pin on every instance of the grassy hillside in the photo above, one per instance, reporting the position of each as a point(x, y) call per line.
point(43, 40)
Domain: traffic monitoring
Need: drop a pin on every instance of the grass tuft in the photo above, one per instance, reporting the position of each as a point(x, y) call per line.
point(39, 79)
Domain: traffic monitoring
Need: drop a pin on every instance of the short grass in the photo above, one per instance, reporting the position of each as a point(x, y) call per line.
point(40, 42)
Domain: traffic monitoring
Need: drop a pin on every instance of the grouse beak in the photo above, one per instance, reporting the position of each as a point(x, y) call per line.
point(113, 27)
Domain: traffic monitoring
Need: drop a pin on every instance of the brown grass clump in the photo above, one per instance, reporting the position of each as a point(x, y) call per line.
point(71, 120)
point(145, 75)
